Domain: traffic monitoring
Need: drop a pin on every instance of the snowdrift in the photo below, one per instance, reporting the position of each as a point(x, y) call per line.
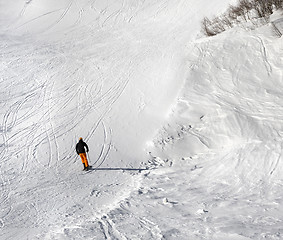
point(230, 111)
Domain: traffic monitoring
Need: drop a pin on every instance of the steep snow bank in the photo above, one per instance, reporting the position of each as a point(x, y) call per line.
point(224, 140)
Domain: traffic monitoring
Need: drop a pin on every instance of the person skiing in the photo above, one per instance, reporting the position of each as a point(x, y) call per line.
point(81, 149)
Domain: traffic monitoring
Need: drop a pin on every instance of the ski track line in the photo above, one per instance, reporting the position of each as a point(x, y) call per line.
point(68, 100)
point(109, 230)
point(81, 11)
point(7, 126)
point(6, 121)
point(95, 90)
point(73, 92)
point(92, 5)
point(60, 18)
point(35, 128)
point(30, 133)
point(42, 134)
point(36, 18)
point(264, 55)
point(2, 225)
point(4, 190)
point(112, 15)
point(162, 7)
point(4, 134)
point(109, 95)
point(30, 155)
point(46, 86)
point(48, 125)
point(26, 98)
point(277, 161)
point(20, 15)
point(106, 154)
point(5, 199)
point(26, 115)
point(106, 142)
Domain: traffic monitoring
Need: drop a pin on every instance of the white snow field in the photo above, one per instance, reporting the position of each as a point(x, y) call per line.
point(185, 133)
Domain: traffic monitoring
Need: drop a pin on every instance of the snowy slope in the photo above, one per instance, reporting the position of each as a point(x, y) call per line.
point(110, 71)
point(230, 111)
point(219, 157)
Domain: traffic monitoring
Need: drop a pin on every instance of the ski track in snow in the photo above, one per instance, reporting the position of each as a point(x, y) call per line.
point(104, 70)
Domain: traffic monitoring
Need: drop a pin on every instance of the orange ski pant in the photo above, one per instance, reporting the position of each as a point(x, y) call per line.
point(84, 159)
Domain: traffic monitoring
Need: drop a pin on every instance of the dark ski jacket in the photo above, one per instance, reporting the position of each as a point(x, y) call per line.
point(80, 147)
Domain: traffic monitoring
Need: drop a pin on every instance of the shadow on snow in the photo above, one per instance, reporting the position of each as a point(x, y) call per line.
point(119, 169)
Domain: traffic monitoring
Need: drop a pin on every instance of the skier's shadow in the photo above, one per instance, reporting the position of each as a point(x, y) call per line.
point(120, 169)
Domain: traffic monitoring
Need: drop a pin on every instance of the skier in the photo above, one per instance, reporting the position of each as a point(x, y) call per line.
point(81, 149)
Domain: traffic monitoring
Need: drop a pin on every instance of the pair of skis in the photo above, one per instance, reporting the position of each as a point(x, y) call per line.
point(89, 168)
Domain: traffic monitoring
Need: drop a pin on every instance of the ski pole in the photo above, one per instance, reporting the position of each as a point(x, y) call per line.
point(88, 159)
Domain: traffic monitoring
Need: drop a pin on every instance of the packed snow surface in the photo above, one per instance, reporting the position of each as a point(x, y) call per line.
point(185, 133)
